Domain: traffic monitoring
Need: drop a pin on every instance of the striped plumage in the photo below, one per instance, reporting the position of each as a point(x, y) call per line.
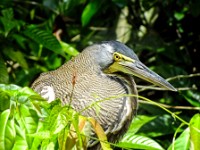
point(85, 76)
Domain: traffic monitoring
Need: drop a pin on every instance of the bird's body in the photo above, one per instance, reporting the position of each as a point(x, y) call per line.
point(88, 81)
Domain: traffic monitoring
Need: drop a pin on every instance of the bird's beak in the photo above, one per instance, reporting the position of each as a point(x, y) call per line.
point(137, 68)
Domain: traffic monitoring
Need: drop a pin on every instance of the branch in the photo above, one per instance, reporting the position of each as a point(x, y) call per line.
point(152, 87)
point(183, 76)
point(169, 106)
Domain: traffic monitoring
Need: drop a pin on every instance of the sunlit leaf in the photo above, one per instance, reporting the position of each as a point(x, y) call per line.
point(65, 141)
point(3, 122)
point(20, 140)
point(60, 123)
point(182, 142)
point(68, 49)
point(139, 142)
point(48, 145)
point(10, 134)
point(27, 120)
point(195, 132)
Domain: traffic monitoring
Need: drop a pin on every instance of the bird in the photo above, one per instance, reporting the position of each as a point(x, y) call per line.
point(104, 70)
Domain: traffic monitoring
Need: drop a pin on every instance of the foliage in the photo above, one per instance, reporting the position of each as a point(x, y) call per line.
point(37, 36)
point(29, 122)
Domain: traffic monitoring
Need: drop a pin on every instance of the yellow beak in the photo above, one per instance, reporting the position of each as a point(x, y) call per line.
point(137, 68)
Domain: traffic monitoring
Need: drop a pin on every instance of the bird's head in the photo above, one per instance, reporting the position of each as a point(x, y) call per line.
point(114, 57)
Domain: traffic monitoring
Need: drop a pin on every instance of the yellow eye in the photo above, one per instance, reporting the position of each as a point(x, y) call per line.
point(117, 57)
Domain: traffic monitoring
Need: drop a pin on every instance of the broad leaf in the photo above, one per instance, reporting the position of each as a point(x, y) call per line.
point(155, 127)
point(89, 11)
point(23, 119)
point(138, 122)
point(20, 140)
point(17, 56)
point(139, 142)
point(195, 132)
point(3, 122)
point(8, 21)
point(192, 97)
point(46, 38)
point(10, 134)
point(182, 142)
point(68, 49)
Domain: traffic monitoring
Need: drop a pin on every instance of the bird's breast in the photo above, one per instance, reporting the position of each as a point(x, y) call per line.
point(103, 98)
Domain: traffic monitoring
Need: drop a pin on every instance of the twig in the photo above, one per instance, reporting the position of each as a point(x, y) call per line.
point(141, 97)
point(157, 104)
point(172, 107)
point(98, 28)
point(143, 88)
point(183, 76)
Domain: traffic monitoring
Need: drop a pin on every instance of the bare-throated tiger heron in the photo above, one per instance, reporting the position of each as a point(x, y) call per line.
point(102, 70)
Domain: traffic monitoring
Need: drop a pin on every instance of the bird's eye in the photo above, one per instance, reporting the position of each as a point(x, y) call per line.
point(117, 57)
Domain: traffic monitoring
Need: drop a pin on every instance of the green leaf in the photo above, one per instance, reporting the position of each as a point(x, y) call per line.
point(89, 11)
point(60, 119)
point(68, 49)
point(182, 142)
point(192, 97)
point(42, 135)
point(15, 133)
point(138, 122)
point(4, 97)
point(20, 140)
point(59, 124)
point(8, 25)
point(46, 38)
point(139, 142)
point(155, 127)
point(16, 56)
point(10, 134)
point(179, 15)
point(10, 87)
point(3, 122)
point(63, 138)
point(46, 145)
point(53, 62)
point(195, 131)
point(28, 120)
point(8, 21)
point(4, 78)
point(7, 13)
